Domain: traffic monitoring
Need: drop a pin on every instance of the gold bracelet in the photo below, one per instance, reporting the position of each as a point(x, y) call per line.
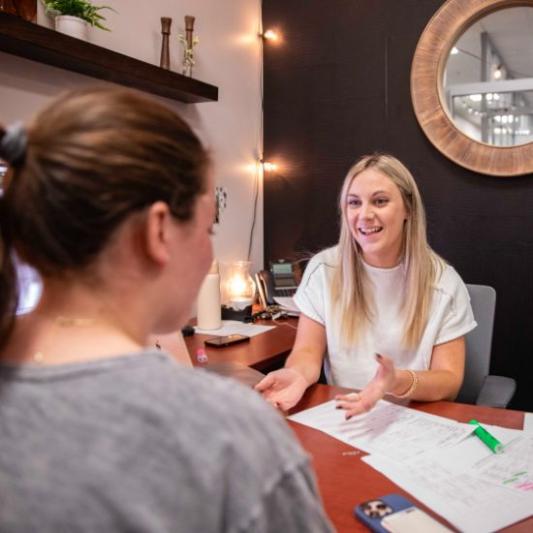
point(410, 391)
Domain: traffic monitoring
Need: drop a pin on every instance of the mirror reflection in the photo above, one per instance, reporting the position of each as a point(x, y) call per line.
point(488, 79)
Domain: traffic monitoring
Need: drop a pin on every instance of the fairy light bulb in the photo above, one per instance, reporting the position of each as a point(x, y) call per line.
point(268, 166)
point(270, 35)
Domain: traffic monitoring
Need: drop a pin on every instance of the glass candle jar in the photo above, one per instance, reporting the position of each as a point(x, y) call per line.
point(237, 287)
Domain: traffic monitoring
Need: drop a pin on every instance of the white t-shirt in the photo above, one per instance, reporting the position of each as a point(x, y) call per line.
point(450, 317)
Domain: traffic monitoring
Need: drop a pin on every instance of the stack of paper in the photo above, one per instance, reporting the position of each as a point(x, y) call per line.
point(287, 305)
point(232, 327)
point(528, 422)
point(440, 462)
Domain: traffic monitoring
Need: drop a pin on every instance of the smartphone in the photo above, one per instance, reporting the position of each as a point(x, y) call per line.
point(228, 340)
point(395, 514)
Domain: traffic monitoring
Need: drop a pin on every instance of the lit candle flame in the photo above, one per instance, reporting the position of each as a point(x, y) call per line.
point(237, 286)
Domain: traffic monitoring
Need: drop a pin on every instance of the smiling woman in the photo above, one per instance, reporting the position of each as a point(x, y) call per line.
point(376, 214)
point(391, 313)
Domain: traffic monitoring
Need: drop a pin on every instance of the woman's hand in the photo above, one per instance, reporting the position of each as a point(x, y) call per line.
point(356, 403)
point(282, 388)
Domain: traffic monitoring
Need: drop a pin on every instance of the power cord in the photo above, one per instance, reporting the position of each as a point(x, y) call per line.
point(260, 139)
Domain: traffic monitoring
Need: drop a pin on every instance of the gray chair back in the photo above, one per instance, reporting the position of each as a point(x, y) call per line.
point(478, 342)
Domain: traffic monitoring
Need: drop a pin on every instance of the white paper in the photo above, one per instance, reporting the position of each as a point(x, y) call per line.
point(287, 304)
point(512, 468)
point(440, 462)
point(460, 482)
point(528, 422)
point(392, 430)
point(231, 327)
point(462, 499)
point(472, 452)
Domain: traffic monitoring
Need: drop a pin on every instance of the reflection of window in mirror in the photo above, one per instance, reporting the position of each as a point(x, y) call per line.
point(488, 79)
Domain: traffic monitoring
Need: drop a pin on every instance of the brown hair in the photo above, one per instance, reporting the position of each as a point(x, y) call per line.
point(91, 158)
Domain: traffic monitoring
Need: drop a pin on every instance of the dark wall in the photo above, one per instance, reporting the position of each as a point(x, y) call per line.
point(337, 88)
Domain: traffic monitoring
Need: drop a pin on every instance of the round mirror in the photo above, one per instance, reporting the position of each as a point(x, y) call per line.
point(472, 84)
point(488, 79)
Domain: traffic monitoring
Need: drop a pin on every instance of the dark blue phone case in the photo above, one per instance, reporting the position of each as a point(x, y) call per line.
point(372, 512)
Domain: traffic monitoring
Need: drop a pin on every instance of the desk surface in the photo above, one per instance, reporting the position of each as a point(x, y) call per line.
point(260, 352)
point(345, 480)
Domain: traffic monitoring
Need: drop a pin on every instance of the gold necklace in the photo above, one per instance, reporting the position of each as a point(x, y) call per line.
point(70, 321)
point(65, 321)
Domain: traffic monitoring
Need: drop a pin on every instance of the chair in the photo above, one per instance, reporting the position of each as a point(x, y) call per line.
point(479, 387)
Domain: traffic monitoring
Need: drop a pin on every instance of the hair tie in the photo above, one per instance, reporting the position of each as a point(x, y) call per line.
point(13, 144)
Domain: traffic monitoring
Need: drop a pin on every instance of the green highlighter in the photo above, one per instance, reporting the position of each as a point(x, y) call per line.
point(492, 442)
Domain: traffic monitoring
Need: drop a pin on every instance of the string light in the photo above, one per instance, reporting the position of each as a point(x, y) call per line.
point(268, 166)
point(270, 35)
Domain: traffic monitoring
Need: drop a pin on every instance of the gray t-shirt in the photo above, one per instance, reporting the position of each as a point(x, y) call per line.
point(138, 443)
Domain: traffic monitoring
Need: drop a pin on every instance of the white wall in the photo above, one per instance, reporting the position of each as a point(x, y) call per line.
point(228, 56)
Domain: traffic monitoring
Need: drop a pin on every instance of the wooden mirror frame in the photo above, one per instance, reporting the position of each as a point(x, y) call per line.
point(429, 61)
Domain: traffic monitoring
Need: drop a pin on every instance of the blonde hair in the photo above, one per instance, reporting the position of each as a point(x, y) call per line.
point(422, 266)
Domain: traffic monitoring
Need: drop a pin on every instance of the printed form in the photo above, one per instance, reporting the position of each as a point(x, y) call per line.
point(513, 468)
point(389, 429)
point(440, 462)
point(473, 488)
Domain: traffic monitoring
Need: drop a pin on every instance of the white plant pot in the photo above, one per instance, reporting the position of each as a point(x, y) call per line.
point(73, 26)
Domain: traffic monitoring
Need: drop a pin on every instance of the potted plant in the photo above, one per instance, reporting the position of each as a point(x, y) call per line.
point(73, 17)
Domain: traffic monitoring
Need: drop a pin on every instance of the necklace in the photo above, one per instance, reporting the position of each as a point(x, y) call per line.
point(65, 321)
point(70, 321)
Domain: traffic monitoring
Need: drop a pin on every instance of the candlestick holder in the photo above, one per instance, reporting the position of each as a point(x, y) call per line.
point(189, 41)
point(166, 22)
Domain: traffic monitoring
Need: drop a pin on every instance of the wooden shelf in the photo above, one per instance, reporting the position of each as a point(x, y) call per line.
point(38, 43)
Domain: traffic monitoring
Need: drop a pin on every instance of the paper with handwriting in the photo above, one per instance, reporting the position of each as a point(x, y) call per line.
point(395, 431)
point(465, 483)
point(513, 468)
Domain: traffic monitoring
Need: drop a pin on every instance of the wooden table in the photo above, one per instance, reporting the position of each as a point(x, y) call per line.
point(346, 481)
point(263, 352)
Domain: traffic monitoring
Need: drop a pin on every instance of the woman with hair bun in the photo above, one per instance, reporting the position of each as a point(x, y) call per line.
point(108, 197)
point(381, 310)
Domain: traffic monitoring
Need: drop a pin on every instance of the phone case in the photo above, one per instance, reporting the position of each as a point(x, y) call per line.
point(412, 520)
point(372, 512)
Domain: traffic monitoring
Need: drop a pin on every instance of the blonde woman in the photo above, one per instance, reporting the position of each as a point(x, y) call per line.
point(387, 311)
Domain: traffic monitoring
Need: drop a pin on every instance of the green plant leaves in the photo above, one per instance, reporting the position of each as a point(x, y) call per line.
point(82, 9)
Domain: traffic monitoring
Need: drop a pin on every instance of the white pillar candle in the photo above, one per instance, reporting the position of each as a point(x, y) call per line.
point(209, 313)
